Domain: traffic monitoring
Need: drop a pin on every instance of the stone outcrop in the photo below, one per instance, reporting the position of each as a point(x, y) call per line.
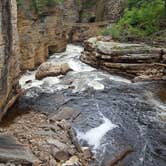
point(9, 54)
point(84, 11)
point(79, 11)
point(11, 151)
point(72, 10)
point(48, 31)
point(109, 10)
point(85, 18)
point(51, 69)
point(40, 34)
point(83, 31)
point(139, 61)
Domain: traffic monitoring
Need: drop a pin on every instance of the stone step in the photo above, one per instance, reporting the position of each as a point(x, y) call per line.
point(11, 151)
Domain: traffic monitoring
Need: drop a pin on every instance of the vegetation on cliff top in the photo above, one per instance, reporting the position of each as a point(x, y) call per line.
point(141, 18)
point(39, 5)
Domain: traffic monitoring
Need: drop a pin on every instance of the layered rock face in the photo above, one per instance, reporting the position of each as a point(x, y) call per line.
point(109, 10)
point(9, 54)
point(84, 31)
point(48, 32)
point(72, 10)
point(85, 18)
point(84, 11)
point(136, 60)
point(40, 36)
point(79, 11)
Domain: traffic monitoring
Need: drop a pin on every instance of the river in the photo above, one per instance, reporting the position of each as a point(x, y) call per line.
point(122, 122)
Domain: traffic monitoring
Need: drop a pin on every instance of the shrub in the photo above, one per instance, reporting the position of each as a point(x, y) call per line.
point(139, 21)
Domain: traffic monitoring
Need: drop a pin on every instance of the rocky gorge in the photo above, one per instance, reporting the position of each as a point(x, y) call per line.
point(101, 103)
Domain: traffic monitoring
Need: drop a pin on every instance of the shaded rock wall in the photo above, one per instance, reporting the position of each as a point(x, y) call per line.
point(72, 10)
point(9, 53)
point(82, 31)
point(85, 18)
point(79, 11)
point(40, 35)
point(109, 10)
point(84, 11)
point(49, 32)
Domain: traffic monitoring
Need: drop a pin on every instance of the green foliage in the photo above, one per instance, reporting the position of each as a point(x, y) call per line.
point(19, 2)
point(88, 4)
point(39, 5)
point(139, 20)
point(115, 33)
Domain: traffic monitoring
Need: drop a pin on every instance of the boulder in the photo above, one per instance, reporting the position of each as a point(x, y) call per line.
point(61, 155)
point(57, 144)
point(73, 161)
point(51, 69)
point(10, 151)
point(86, 152)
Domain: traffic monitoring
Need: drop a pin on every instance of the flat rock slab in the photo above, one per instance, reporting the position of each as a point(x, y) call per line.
point(67, 113)
point(125, 58)
point(11, 151)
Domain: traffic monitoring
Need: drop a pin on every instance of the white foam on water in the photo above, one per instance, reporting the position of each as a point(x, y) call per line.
point(79, 66)
point(95, 135)
point(83, 74)
point(156, 103)
point(51, 80)
point(29, 76)
point(96, 85)
point(119, 79)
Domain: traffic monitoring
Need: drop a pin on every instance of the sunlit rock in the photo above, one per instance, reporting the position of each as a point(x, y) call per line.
point(51, 69)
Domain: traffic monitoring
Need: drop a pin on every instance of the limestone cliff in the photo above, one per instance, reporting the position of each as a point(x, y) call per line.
point(109, 10)
point(40, 34)
point(48, 31)
point(138, 61)
point(9, 53)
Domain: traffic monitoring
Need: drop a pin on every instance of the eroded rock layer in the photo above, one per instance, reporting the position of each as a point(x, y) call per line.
point(40, 34)
point(139, 61)
point(9, 54)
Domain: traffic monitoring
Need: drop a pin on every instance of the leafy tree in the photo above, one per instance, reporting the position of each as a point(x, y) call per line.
point(165, 7)
point(141, 18)
point(39, 5)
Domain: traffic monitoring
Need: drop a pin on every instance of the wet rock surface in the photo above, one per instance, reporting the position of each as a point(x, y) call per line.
point(11, 151)
point(44, 143)
point(137, 139)
point(118, 120)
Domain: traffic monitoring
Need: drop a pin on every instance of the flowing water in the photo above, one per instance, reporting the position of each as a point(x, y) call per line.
point(121, 121)
point(83, 76)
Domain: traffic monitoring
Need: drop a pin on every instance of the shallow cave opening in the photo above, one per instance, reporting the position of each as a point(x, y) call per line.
point(92, 19)
point(52, 49)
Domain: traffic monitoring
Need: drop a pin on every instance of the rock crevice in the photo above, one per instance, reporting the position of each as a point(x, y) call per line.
point(9, 56)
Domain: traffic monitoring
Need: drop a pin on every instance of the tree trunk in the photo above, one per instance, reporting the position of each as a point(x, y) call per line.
point(165, 8)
